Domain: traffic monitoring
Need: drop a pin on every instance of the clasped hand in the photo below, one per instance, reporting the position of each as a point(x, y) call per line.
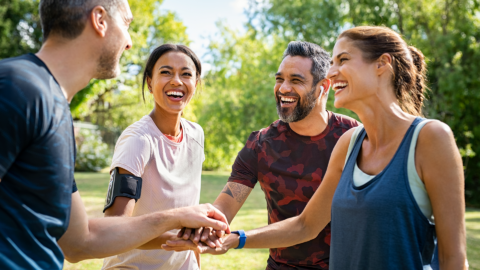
point(203, 240)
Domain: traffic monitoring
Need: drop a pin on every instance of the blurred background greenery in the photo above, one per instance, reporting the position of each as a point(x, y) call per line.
point(237, 94)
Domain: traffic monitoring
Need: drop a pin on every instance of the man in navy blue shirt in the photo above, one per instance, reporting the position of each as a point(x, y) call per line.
point(39, 200)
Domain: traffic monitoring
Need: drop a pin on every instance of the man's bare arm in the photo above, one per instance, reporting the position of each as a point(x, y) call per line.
point(123, 206)
point(103, 237)
point(236, 191)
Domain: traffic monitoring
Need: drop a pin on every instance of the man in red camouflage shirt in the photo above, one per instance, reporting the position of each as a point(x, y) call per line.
point(289, 158)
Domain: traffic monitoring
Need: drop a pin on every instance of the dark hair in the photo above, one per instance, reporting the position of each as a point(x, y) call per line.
point(68, 18)
point(163, 49)
point(320, 58)
point(408, 63)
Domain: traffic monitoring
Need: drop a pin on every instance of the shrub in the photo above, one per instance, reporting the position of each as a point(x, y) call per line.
point(92, 153)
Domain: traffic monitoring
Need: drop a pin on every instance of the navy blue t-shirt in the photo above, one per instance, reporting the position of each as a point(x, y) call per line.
point(37, 158)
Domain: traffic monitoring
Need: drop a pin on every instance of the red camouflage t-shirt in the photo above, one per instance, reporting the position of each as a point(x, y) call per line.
point(290, 167)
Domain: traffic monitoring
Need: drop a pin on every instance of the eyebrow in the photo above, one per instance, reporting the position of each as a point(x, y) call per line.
point(169, 67)
point(292, 75)
point(338, 56)
point(298, 76)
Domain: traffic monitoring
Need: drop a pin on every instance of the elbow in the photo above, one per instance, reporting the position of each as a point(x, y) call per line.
point(71, 257)
point(309, 232)
point(75, 254)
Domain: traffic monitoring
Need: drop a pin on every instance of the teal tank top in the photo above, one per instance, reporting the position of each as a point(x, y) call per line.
point(379, 225)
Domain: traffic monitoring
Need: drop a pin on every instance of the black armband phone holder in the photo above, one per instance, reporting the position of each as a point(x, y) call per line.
point(123, 185)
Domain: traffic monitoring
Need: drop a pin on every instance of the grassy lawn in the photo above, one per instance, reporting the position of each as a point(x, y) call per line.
point(93, 186)
point(473, 238)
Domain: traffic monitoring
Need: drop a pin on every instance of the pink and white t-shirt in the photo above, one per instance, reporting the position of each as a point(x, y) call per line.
point(171, 174)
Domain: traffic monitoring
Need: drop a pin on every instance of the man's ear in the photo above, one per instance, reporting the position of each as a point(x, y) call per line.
point(98, 18)
point(326, 86)
point(384, 63)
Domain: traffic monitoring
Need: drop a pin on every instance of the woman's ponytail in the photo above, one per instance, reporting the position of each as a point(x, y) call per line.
point(420, 78)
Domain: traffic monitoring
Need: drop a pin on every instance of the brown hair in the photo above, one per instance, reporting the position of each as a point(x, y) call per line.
point(408, 63)
point(68, 18)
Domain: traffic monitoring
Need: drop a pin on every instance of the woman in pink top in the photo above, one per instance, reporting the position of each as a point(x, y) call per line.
point(157, 162)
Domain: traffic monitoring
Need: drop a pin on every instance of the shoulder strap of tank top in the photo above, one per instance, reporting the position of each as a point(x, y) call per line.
point(412, 171)
point(353, 139)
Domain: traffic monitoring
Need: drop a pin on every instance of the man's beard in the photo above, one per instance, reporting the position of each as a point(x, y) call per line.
point(107, 67)
point(300, 111)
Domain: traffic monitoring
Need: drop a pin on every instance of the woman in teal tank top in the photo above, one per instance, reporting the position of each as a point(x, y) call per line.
point(379, 224)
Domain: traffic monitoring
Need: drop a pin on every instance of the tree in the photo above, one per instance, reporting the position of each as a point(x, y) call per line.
point(118, 102)
point(238, 96)
point(446, 31)
point(20, 30)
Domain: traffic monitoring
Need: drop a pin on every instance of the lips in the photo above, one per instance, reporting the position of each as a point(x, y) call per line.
point(175, 95)
point(287, 101)
point(339, 86)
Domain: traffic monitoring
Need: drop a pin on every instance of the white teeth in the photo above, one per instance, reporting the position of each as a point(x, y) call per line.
point(286, 99)
point(175, 93)
point(339, 85)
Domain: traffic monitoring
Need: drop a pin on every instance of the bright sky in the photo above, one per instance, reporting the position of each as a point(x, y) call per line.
point(200, 17)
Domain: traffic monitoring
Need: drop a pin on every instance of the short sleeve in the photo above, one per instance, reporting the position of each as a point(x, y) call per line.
point(132, 153)
point(74, 186)
point(14, 125)
point(245, 168)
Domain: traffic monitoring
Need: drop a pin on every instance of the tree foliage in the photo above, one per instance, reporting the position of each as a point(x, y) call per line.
point(118, 102)
point(446, 31)
point(238, 94)
point(20, 30)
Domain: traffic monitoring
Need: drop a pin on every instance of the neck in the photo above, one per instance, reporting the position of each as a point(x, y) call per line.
point(69, 62)
point(383, 121)
point(314, 124)
point(167, 123)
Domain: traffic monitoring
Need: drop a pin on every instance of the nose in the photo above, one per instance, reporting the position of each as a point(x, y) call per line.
point(129, 42)
point(176, 81)
point(285, 88)
point(332, 72)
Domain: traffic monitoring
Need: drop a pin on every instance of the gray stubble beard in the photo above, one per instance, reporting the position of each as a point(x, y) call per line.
point(300, 111)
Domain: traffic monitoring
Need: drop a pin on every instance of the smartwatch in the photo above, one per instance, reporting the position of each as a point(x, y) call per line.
point(243, 238)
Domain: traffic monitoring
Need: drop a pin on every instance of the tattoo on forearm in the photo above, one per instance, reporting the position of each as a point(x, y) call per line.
point(237, 191)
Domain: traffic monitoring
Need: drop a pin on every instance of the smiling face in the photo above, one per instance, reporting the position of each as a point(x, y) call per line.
point(293, 89)
point(117, 40)
point(173, 82)
point(352, 77)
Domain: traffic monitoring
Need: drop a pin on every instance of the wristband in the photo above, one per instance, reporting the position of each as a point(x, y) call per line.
point(243, 238)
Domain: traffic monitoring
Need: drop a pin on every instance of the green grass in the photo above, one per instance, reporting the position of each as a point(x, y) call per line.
point(93, 187)
point(472, 218)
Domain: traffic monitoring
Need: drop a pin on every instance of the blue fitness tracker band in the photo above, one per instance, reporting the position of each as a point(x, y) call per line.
point(243, 238)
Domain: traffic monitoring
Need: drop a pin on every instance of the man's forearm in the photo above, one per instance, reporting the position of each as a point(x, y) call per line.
point(157, 243)
point(114, 235)
point(231, 199)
